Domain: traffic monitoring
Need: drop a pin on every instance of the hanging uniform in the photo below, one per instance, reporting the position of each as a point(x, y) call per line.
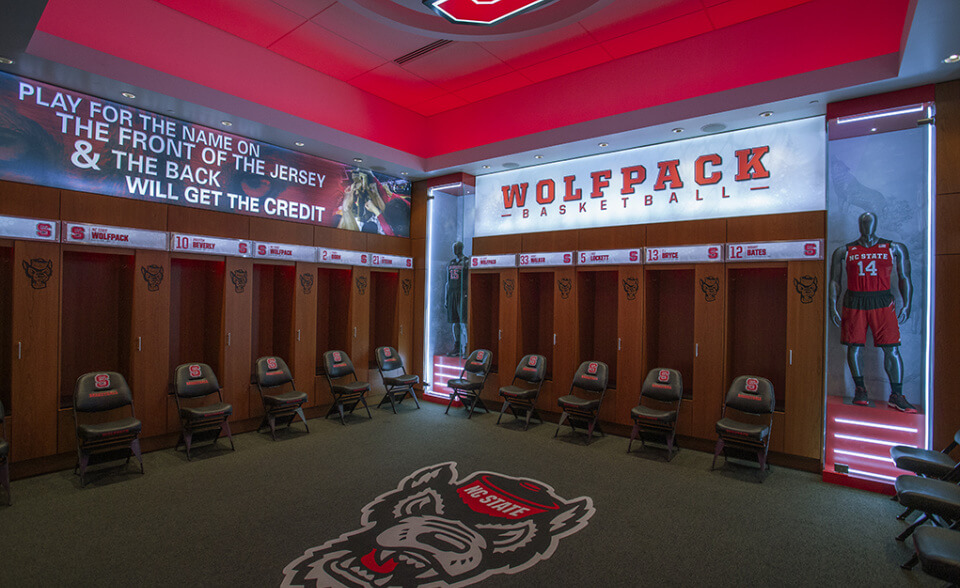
point(868, 301)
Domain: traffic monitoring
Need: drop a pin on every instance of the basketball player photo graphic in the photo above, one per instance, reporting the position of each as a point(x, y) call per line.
point(441, 530)
point(869, 304)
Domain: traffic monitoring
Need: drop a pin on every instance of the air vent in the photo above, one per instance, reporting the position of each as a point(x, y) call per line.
point(422, 51)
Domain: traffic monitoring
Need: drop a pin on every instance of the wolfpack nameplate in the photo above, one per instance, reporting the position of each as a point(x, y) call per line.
point(79, 233)
point(549, 259)
point(342, 257)
point(396, 261)
point(493, 261)
point(775, 251)
point(610, 257)
point(284, 251)
point(210, 245)
point(15, 227)
point(684, 254)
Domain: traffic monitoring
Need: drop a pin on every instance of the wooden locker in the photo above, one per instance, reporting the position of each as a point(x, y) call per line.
point(304, 355)
point(566, 332)
point(806, 288)
point(235, 343)
point(630, 329)
point(709, 386)
point(405, 312)
point(360, 352)
point(150, 340)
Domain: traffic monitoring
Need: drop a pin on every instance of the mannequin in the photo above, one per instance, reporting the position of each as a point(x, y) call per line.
point(869, 303)
point(455, 298)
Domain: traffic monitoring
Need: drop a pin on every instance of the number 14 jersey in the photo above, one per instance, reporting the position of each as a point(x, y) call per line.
point(869, 268)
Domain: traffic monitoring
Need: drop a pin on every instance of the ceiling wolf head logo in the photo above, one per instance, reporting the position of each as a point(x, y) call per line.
point(710, 286)
point(441, 530)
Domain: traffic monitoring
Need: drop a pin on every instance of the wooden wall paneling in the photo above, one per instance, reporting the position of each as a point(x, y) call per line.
point(948, 137)
point(304, 355)
point(687, 233)
point(946, 409)
point(6, 320)
point(29, 201)
point(803, 426)
point(407, 298)
point(777, 227)
point(278, 231)
point(507, 326)
point(565, 327)
point(211, 223)
point(360, 351)
point(496, 245)
point(35, 338)
point(150, 341)
point(710, 381)
point(340, 239)
point(389, 245)
point(83, 207)
point(236, 338)
point(630, 330)
point(550, 241)
point(623, 237)
point(948, 218)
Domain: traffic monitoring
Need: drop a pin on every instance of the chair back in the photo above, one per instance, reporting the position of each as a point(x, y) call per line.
point(337, 364)
point(100, 392)
point(750, 394)
point(663, 385)
point(532, 369)
point(195, 380)
point(478, 363)
point(388, 359)
point(591, 376)
point(272, 371)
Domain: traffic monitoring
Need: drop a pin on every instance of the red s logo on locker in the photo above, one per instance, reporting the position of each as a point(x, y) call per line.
point(481, 12)
point(261, 249)
point(713, 252)
point(44, 230)
point(77, 233)
point(634, 256)
point(363, 258)
point(810, 249)
point(567, 258)
point(243, 248)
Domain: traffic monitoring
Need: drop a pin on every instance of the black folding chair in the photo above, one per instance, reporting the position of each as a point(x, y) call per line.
point(346, 394)
point(938, 551)
point(937, 500)
point(279, 409)
point(927, 463)
point(4, 453)
point(97, 442)
point(396, 381)
point(531, 371)
point(751, 399)
point(469, 385)
point(656, 413)
point(199, 422)
point(591, 381)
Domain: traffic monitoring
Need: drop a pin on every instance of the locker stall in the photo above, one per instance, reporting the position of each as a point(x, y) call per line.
point(384, 328)
point(669, 324)
point(536, 326)
point(196, 312)
point(6, 321)
point(273, 290)
point(333, 311)
point(493, 314)
point(598, 318)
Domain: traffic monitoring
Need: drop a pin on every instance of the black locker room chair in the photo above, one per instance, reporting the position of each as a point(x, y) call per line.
point(656, 413)
point(346, 393)
point(937, 500)
point(279, 408)
point(530, 373)
point(938, 551)
point(99, 392)
point(469, 385)
point(591, 381)
point(192, 384)
point(927, 463)
point(396, 381)
point(4, 453)
point(747, 431)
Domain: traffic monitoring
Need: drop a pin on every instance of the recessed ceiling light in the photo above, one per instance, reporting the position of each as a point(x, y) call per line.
point(678, 130)
point(299, 143)
point(766, 113)
point(538, 157)
point(602, 144)
point(952, 59)
point(814, 102)
point(129, 95)
point(486, 167)
point(404, 173)
point(873, 130)
point(6, 61)
point(226, 123)
point(358, 159)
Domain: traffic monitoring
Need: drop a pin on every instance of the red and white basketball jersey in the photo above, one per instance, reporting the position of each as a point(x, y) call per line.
point(869, 268)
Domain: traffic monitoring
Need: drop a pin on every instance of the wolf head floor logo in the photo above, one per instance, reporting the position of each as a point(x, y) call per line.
point(565, 286)
point(807, 288)
point(153, 276)
point(710, 286)
point(39, 271)
point(306, 282)
point(361, 285)
point(508, 286)
point(437, 529)
point(239, 279)
point(631, 286)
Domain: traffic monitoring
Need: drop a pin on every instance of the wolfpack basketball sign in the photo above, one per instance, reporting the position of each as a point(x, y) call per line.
point(765, 170)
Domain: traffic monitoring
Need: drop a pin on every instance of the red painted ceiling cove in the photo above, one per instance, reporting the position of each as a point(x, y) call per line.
point(327, 63)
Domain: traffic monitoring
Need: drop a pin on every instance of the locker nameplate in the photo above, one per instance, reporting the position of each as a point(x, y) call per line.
point(397, 261)
point(14, 227)
point(284, 251)
point(684, 254)
point(811, 249)
point(493, 261)
point(610, 257)
point(210, 245)
point(106, 236)
point(342, 257)
point(549, 259)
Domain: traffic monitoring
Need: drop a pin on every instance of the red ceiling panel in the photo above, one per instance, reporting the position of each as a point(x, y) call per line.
point(386, 41)
point(736, 11)
point(498, 85)
point(440, 104)
point(671, 31)
point(457, 66)
point(526, 51)
point(258, 21)
point(571, 62)
point(319, 49)
point(624, 16)
point(306, 8)
point(392, 82)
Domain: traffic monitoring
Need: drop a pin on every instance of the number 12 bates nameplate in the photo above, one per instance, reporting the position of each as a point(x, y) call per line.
point(775, 251)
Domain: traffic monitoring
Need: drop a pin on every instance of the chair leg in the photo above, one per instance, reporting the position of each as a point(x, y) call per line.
point(473, 405)
point(225, 427)
point(135, 447)
point(82, 463)
point(909, 530)
point(905, 513)
point(340, 408)
point(393, 404)
point(670, 440)
point(302, 419)
point(272, 421)
point(187, 439)
point(370, 416)
point(453, 397)
point(911, 563)
point(716, 453)
point(563, 416)
point(414, 394)
point(526, 421)
point(633, 434)
point(502, 408)
point(5, 480)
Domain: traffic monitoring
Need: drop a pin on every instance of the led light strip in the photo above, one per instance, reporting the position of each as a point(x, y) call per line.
point(875, 425)
point(866, 440)
point(873, 475)
point(850, 119)
point(931, 281)
point(863, 455)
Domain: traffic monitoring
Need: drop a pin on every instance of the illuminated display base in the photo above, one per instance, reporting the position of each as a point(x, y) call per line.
point(859, 439)
point(445, 368)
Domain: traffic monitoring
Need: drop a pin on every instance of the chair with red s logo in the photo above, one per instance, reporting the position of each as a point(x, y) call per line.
point(98, 440)
point(591, 381)
point(280, 408)
point(531, 372)
point(656, 413)
point(4, 452)
point(750, 399)
point(347, 393)
point(396, 381)
point(469, 385)
point(200, 420)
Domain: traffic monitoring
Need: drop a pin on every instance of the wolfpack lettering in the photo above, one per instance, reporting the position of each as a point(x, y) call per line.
point(104, 235)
